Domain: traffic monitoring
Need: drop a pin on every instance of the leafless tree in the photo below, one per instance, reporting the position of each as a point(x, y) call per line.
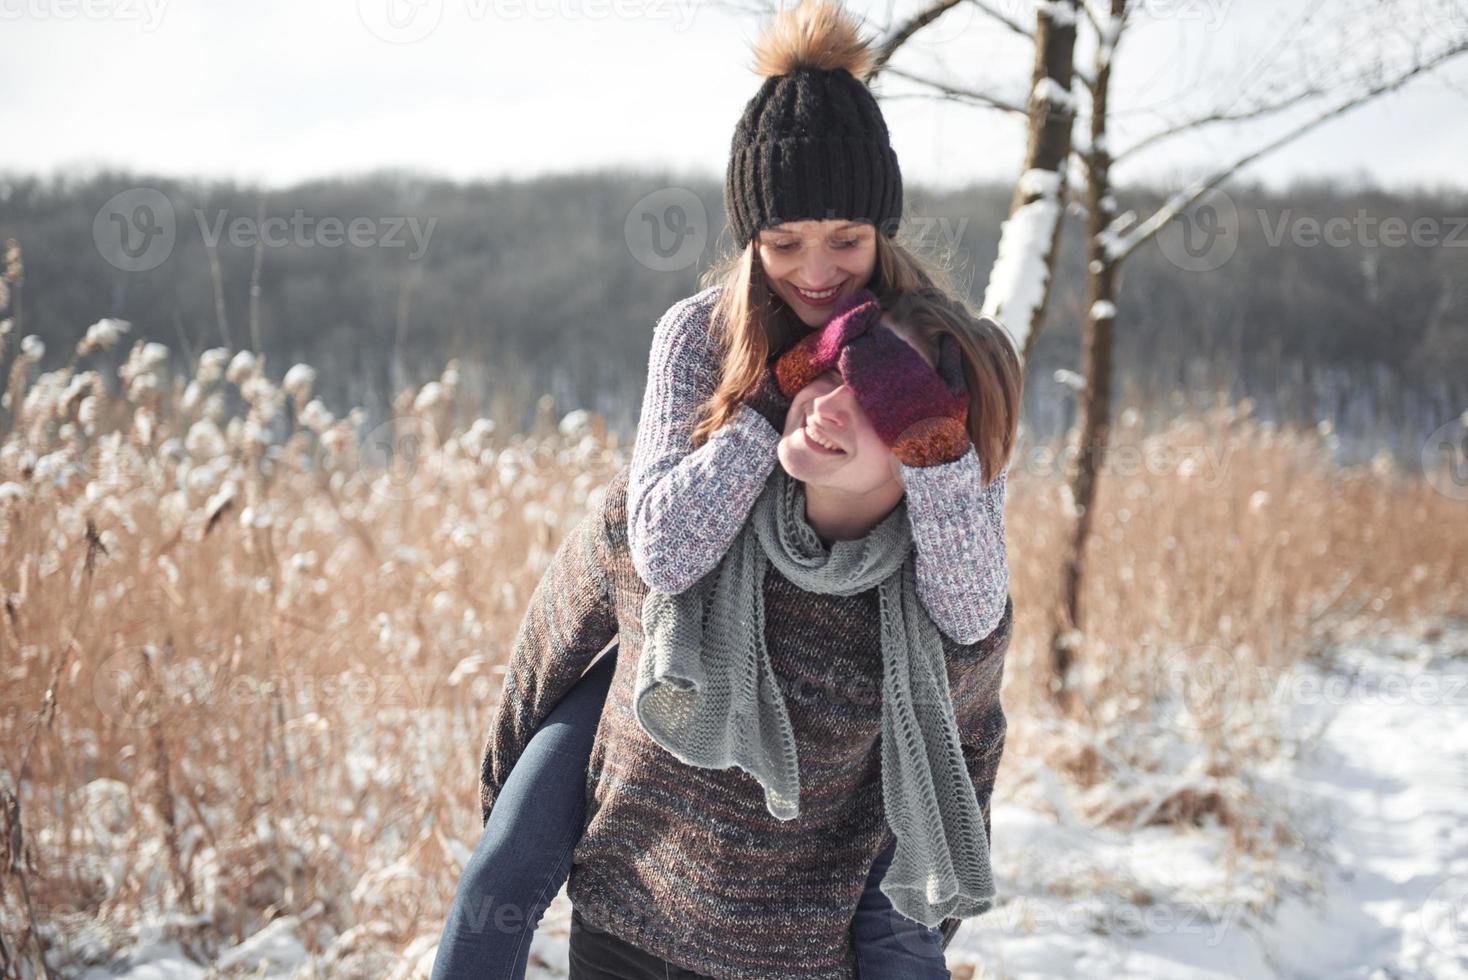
point(1356, 74)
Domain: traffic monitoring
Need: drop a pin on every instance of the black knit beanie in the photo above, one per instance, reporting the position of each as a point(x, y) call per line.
point(811, 144)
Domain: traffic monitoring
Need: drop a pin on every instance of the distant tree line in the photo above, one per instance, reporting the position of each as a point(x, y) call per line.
point(546, 286)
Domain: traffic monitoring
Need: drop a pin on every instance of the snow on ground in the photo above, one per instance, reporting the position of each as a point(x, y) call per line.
point(1392, 773)
point(1379, 782)
point(1381, 889)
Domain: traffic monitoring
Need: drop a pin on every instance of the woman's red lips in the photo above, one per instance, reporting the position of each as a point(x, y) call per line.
point(829, 299)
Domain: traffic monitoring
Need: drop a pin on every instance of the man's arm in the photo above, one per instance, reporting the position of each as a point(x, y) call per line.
point(570, 620)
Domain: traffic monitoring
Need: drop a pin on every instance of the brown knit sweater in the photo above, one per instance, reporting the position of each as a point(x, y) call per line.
point(686, 862)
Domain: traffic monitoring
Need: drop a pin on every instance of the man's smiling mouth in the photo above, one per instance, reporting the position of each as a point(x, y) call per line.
point(819, 440)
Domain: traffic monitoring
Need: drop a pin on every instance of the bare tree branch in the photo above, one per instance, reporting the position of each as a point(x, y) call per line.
point(899, 35)
point(1222, 116)
point(1005, 20)
point(957, 94)
point(1120, 246)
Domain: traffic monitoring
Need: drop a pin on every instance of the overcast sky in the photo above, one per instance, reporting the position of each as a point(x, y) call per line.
point(280, 90)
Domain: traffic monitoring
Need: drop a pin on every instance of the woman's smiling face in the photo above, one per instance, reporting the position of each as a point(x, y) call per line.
point(814, 265)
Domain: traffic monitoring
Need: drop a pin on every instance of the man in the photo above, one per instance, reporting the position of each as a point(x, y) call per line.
point(685, 863)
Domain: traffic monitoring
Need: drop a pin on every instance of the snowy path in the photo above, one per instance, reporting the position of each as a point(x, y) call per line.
point(1393, 771)
point(1387, 783)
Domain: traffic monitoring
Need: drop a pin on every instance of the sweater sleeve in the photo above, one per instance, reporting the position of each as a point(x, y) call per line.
point(685, 506)
point(569, 621)
point(958, 531)
point(975, 676)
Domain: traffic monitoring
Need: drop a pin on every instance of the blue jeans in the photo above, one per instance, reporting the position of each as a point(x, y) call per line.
point(524, 857)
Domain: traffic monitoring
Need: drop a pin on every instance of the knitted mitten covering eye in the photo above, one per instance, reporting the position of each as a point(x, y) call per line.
point(919, 412)
point(816, 353)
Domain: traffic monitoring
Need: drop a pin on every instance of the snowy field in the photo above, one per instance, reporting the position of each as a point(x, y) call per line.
point(1376, 884)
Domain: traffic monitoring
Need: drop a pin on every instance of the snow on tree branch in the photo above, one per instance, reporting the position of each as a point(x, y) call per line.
point(1021, 269)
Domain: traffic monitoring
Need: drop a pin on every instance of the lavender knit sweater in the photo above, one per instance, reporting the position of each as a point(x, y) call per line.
point(687, 505)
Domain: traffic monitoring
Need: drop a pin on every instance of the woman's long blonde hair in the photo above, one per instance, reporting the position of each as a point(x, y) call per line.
point(749, 322)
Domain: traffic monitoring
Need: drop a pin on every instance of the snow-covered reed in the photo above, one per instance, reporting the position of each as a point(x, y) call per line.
point(252, 644)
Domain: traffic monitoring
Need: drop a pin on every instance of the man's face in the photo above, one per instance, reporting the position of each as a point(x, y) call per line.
point(826, 412)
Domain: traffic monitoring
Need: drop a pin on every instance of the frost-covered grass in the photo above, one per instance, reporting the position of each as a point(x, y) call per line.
point(250, 657)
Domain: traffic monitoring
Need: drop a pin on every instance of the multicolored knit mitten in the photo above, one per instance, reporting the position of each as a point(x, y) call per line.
point(922, 414)
point(816, 353)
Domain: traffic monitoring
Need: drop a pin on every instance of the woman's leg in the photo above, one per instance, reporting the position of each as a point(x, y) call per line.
point(524, 854)
point(889, 945)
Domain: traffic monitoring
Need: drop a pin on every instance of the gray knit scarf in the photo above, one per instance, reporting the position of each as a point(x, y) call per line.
point(706, 692)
